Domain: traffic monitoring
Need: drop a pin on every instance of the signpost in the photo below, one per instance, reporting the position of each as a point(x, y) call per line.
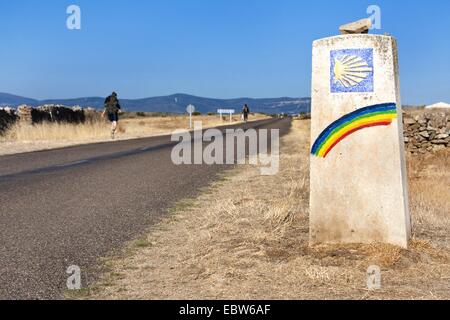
point(226, 111)
point(190, 109)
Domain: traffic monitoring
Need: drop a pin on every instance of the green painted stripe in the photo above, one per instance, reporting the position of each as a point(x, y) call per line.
point(369, 115)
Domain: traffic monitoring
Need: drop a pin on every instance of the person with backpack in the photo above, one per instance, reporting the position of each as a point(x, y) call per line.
point(245, 112)
point(112, 108)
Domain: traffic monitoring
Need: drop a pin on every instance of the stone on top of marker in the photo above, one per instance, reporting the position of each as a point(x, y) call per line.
point(361, 26)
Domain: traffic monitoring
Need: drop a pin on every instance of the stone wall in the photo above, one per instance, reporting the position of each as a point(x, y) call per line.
point(48, 113)
point(56, 113)
point(426, 131)
point(7, 117)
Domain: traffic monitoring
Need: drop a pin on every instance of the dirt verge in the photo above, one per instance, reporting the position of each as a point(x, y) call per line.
point(246, 237)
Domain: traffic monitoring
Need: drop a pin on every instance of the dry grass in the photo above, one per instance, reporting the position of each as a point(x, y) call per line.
point(57, 132)
point(25, 138)
point(246, 237)
point(430, 194)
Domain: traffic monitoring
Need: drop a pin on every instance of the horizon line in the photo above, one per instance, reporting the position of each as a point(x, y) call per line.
point(155, 96)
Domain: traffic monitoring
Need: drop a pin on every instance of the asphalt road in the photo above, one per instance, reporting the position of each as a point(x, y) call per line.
point(74, 205)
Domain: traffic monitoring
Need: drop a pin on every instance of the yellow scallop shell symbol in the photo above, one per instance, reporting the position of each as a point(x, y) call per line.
point(351, 70)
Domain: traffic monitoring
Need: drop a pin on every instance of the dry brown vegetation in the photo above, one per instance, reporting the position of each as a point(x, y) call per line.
point(25, 138)
point(246, 237)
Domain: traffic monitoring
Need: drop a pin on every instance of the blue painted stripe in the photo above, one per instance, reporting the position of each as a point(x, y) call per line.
point(348, 118)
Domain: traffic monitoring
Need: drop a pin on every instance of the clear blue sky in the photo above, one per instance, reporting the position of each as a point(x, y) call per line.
point(213, 48)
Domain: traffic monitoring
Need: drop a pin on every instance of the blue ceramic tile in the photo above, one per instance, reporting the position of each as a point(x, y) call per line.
point(351, 70)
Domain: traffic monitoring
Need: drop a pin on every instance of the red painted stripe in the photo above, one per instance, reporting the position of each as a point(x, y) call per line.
point(376, 124)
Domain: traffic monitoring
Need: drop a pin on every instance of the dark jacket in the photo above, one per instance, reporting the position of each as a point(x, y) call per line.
point(112, 104)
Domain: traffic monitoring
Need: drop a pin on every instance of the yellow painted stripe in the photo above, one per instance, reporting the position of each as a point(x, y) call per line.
point(335, 137)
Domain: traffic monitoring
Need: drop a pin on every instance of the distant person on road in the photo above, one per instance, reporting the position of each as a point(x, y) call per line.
point(245, 112)
point(112, 108)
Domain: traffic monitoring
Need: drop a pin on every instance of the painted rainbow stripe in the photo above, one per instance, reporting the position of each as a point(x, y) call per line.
point(373, 116)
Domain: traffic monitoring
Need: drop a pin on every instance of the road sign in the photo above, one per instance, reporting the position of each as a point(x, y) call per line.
point(226, 111)
point(190, 109)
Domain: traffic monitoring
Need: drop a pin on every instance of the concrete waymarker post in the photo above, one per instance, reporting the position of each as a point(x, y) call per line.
point(358, 174)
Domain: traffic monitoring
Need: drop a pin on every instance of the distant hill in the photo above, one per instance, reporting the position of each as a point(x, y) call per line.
point(175, 103)
point(11, 100)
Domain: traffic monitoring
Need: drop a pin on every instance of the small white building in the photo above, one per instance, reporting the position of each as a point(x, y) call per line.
point(440, 105)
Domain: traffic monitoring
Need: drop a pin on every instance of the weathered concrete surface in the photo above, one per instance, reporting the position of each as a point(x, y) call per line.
point(359, 191)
